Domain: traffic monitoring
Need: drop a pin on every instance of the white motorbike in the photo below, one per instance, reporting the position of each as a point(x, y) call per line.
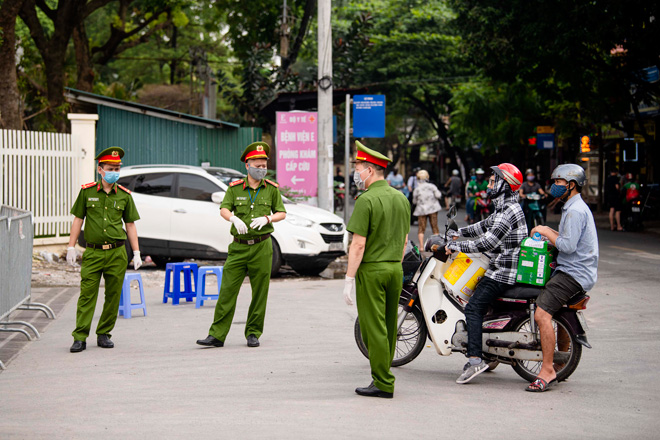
point(432, 306)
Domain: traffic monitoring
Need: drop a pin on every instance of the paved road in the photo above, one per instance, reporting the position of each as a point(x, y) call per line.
point(158, 384)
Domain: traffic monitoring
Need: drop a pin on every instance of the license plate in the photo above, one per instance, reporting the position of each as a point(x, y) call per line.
point(635, 209)
point(336, 246)
point(583, 321)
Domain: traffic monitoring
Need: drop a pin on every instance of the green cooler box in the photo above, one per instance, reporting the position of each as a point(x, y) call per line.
point(536, 262)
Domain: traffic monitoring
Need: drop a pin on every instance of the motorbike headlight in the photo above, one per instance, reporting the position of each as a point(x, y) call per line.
point(297, 220)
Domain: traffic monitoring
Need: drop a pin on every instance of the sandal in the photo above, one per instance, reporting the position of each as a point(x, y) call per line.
point(540, 385)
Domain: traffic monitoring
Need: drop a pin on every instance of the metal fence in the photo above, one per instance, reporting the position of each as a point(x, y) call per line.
point(16, 235)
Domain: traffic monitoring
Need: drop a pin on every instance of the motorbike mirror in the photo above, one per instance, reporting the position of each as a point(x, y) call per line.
point(452, 225)
point(452, 212)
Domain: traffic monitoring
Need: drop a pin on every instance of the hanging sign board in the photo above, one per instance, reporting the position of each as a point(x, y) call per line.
point(369, 116)
point(297, 145)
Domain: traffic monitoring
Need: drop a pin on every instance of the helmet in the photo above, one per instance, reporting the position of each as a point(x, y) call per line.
point(529, 171)
point(454, 172)
point(480, 171)
point(510, 173)
point(570, 171)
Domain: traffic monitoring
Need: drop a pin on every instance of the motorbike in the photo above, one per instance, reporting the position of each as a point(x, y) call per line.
point(432, 307)
point(483, 206)
point(340, 194)
point(534, 209)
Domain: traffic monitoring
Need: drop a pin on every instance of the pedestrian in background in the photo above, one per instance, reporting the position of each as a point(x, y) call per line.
point(412, 185)
point(256, 201)
point(454, 187)
point(380, 226)
point(104, 205)
point(426, 198)
point(397, 182)
point(613, 199)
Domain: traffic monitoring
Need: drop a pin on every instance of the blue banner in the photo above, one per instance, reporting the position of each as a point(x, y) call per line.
point(545, 141)
point(369, 116)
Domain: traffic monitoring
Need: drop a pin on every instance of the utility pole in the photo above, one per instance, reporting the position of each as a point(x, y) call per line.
point(325, 150)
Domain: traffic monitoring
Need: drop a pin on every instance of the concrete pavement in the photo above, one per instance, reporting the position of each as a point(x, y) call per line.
point(158, 384)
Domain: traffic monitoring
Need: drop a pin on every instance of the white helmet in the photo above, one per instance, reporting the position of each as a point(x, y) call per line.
point(454, 173)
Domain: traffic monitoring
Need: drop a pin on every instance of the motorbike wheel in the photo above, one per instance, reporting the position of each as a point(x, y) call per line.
point(410, 338)
point(529, 370)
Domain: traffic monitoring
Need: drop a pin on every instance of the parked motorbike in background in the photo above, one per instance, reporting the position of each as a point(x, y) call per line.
point(432, 306)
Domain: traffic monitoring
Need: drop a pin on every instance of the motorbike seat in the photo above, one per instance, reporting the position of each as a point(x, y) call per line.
point(522, 291)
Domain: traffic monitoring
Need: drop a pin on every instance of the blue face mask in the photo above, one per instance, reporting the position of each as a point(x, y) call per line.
point(111, 176)
point(558, 191)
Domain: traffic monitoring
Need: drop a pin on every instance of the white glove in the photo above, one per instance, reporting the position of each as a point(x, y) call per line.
point(71, 256)
point(260, 222)
point(238, 223)
point(349, 286)
point(137, 260)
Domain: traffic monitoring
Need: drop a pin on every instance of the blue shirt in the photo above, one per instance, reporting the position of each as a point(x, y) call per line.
point(578, 243)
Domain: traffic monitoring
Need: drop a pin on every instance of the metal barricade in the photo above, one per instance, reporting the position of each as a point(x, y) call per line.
point(16, 235)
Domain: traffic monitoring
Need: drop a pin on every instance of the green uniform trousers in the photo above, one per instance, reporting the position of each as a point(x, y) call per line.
point(112, 265)
point(257, 260)
point(377, 290)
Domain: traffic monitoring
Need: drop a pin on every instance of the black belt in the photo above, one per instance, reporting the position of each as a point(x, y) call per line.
point(105, 247)
point(252, 241)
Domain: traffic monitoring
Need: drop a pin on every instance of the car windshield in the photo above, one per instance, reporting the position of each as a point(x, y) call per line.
point(227, 175)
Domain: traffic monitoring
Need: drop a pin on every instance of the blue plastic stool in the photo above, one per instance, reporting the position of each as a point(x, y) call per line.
point(125, 305)
point(176, 270)
point(201, 284)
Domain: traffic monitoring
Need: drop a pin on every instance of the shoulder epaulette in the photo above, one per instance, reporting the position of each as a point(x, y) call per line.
point(275, 184)
point(88, 185)
point(124, 188)
point(236, 182)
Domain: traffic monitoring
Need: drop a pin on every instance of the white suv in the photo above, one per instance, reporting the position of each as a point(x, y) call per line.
point(179, 210)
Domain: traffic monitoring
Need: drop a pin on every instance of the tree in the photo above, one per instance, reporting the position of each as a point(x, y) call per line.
point(52, 30)
point(582, 58)
point(10, 116)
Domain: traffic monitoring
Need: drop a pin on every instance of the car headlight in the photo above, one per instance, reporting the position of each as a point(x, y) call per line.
point(297, 220)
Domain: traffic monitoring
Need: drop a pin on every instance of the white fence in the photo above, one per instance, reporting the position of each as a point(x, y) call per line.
point(42, 173)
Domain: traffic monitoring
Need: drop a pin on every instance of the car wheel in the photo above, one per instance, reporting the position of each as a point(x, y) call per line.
point(160, 262)
point(277, 258)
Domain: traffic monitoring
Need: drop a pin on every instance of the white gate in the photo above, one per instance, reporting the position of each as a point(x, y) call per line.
point(42, 173)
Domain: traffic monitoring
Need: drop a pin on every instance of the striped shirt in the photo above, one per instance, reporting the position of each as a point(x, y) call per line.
point(499, 237)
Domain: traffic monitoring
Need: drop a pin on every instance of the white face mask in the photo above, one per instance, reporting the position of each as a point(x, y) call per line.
point(357, 178)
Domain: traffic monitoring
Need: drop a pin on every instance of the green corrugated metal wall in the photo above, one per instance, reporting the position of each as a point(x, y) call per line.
point(152, 140)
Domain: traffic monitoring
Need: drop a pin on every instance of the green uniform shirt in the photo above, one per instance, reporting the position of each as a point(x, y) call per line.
point(247, 204)
point(104, 212)
point(382, 215)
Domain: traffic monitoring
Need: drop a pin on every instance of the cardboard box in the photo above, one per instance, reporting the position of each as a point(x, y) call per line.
point(536, 262)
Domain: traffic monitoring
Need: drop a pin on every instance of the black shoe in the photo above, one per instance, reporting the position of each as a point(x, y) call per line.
point(373, 391)
point(252, 341)
point(78, 346)
point(104, 341)
point(210, 341)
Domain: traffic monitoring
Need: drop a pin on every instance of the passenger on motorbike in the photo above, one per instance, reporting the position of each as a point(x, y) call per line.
point(530, 186)
point(499, 236)
point(577, 262)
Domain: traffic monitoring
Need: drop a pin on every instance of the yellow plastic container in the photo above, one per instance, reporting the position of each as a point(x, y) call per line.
point(462, 276)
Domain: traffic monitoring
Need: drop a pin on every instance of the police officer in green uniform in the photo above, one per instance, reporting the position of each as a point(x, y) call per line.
point(254, 201)
point(380, 224)
point(104, 205)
